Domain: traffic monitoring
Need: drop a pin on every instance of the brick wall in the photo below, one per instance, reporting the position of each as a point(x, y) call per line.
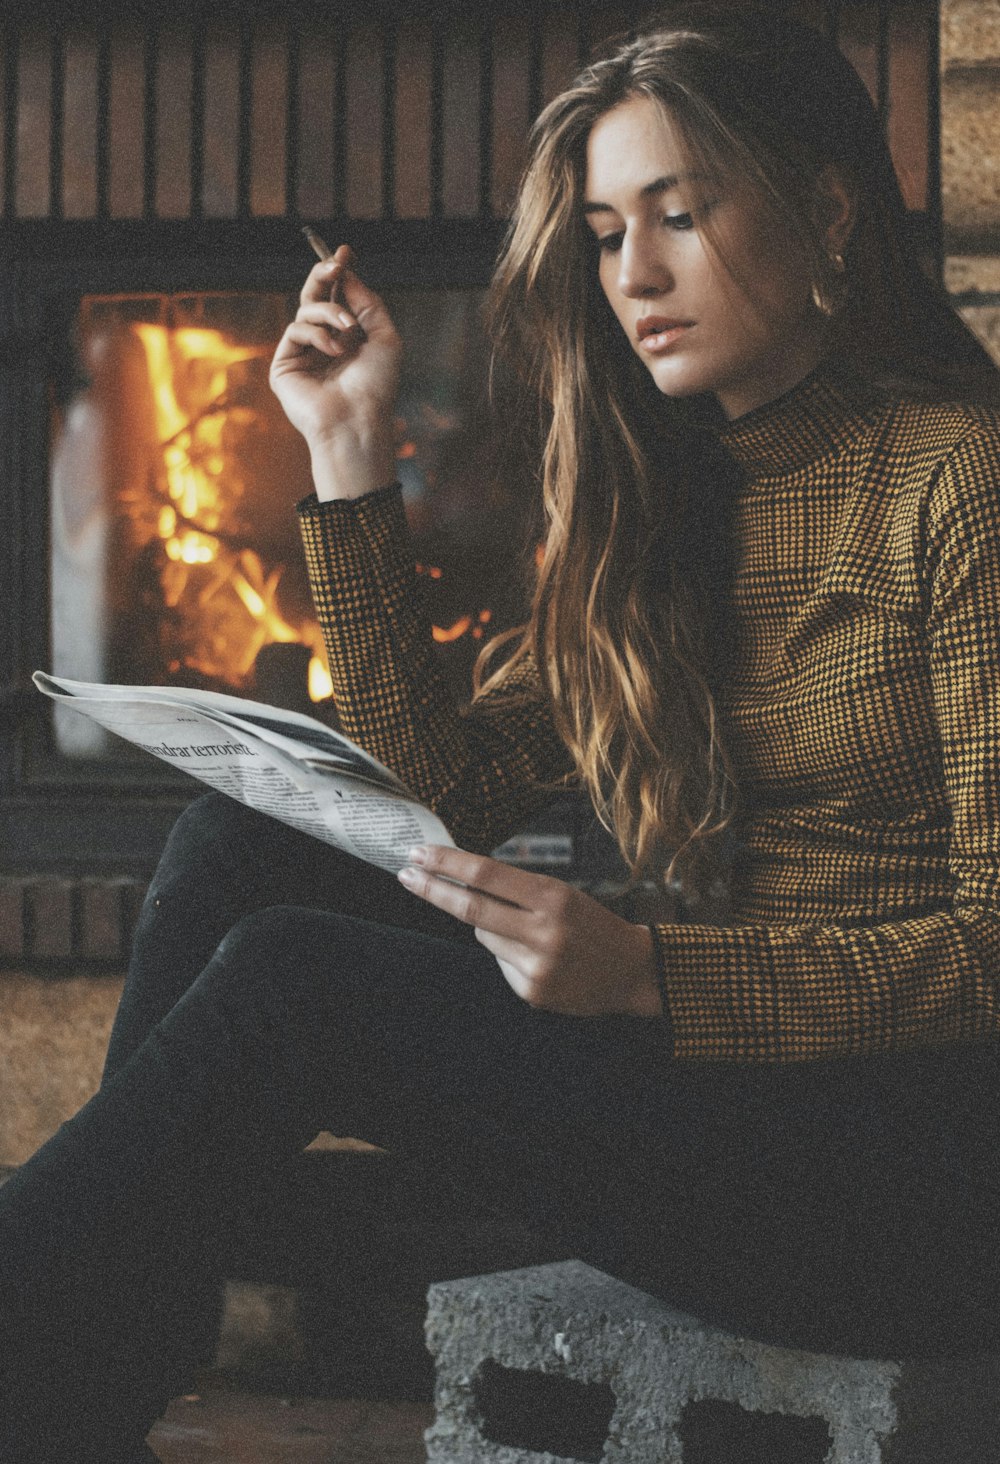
point(60, 923)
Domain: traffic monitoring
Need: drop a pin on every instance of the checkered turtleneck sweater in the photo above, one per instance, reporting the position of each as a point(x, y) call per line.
point(863, 700)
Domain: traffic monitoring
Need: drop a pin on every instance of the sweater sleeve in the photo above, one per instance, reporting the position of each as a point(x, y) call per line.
point(763, 993)
point(483, 770)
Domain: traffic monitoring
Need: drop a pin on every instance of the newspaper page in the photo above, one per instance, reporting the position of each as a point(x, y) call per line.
point(280, 763)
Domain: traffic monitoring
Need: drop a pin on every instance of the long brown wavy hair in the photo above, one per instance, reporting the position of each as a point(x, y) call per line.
point(626, 619)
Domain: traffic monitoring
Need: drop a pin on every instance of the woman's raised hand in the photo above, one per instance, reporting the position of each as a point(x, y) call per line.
point(557, 948)
point(336, 374)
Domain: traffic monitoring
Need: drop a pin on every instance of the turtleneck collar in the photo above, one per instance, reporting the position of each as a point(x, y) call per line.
point(818, 417)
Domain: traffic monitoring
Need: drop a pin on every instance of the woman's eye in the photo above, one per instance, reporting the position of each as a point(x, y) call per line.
point(679, 220)
point(610, 243)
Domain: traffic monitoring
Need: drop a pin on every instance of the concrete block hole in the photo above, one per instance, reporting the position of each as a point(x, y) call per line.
point(543, 1412)
point(712, 1432)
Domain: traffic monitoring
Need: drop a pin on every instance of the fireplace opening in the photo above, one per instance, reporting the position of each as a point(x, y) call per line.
point(175, 553)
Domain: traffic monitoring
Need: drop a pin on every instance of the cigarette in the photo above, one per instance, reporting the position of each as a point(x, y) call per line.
point(320, 247)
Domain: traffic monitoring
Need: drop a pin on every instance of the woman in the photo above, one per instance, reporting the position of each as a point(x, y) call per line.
point(784, 1125)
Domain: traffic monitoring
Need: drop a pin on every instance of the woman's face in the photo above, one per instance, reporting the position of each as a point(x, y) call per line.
point(737, 319)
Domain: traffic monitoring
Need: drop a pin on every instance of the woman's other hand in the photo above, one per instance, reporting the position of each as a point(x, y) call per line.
point(336, 374)
point(557, 948)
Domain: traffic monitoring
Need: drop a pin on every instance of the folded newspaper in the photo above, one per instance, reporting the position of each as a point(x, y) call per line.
point(281, 763)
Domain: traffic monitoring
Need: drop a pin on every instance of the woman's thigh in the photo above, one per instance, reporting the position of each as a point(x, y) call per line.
point(847, 1206)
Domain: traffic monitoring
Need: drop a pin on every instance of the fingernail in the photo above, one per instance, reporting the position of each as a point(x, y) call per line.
point(347, 322)
point(417, 855)
point(407, 876)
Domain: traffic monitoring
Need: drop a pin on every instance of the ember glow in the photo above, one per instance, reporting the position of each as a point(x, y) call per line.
point(223, 595)
point(212, 543)
point(175, 554)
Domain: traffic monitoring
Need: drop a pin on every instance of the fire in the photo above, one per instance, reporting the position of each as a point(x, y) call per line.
point(226, 597)
point(190, 432)
point(223, 599)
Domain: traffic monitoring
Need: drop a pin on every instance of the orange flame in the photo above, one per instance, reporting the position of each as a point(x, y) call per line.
point(222, 594)
point(231, 596)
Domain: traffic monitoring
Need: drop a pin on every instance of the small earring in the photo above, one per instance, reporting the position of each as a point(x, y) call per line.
point(822, 301)
point(828, 295)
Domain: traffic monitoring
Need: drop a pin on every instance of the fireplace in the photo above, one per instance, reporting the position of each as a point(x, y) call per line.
point(174, 556)
point(155, 172)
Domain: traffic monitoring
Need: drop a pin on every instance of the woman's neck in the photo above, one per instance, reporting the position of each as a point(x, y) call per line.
point(767, 380)
point(817, 417)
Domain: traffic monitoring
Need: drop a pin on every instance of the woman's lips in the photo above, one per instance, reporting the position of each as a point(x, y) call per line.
point(655, 338)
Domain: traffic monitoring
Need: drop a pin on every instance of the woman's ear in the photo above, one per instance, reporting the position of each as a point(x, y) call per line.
point(836, 208)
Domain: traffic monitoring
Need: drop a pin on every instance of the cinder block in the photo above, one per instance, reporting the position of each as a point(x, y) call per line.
point(560, 1364)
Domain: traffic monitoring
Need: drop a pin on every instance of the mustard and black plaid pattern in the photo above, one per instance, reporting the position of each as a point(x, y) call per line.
point(864, 711)
point(483, 771)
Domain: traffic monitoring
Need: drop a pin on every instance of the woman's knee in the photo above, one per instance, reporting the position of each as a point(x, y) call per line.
point(214, 833)
point(193, 876)
point(281, 968)
point(200, 889)
point(222, 860)
point(289, 945)
point(286, 955)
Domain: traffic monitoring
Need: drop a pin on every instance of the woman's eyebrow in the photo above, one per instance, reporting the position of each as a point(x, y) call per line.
point(658, 185)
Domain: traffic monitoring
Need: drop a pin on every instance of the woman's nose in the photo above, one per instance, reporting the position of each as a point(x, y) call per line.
point(642, 270)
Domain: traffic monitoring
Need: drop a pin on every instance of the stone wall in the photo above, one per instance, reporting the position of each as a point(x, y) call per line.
point(970, 161)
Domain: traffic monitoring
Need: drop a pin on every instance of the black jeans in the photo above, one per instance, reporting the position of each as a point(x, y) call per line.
point(844, 1206)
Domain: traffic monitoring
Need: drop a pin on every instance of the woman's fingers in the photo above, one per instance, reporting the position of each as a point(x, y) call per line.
point(300, 337)
point(470, 905)
point(363, 303)
point(504, 881)
point(515, 961)
point(335, 281)
point(324, 279)
point(319, 282)
point(531, 909)
point(325, 312)
point(305, 337)
point(322, 325)
point(557, 948)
